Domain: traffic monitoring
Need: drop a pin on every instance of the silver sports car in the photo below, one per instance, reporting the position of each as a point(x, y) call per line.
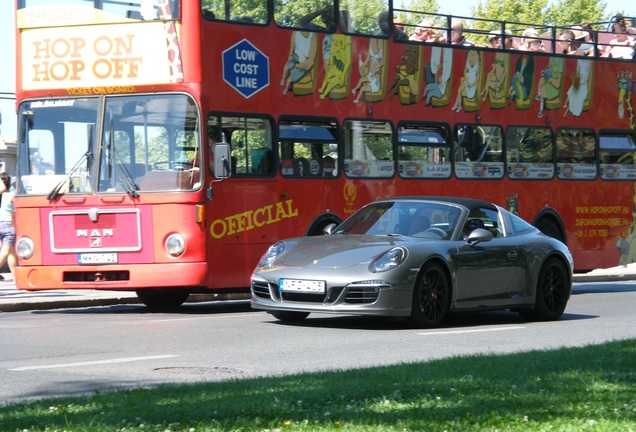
point(417, 257)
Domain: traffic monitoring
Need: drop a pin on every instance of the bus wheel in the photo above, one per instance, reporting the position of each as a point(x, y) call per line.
point(162, 298)
point(549, 228)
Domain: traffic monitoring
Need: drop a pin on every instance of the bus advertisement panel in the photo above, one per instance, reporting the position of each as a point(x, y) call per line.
point(122, 103)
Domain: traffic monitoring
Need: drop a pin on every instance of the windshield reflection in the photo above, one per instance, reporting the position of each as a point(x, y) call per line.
point(404, 218)
point(149, 143)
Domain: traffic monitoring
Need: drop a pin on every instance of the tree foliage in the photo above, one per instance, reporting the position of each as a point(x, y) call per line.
point(519, 11)
point(411, 12)
point(568, 12)
point(365, 13)
point(541, 12)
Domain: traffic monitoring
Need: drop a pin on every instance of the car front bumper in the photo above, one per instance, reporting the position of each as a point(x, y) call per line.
point(379, 299)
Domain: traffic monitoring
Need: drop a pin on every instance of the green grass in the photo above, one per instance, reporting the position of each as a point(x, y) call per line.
point(590, 388)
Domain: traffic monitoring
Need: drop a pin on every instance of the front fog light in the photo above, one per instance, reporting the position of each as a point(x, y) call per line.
point(24, 248)
point(175, 244)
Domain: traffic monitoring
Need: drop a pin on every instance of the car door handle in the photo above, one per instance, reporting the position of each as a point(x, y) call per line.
point(512, 255)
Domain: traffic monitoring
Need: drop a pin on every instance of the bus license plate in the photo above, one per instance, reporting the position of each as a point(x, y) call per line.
point(306, 286)
point(97, 258)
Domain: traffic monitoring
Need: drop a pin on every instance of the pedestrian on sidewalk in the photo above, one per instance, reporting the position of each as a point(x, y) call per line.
point(7, 224)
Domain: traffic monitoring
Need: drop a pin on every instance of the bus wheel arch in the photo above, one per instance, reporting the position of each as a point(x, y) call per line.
point(318, 225)
point(550, 223)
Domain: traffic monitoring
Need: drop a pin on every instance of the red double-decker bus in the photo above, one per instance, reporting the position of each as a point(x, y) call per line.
point(164, 145)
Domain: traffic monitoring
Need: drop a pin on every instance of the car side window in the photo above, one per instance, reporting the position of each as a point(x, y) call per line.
point(520, 226)
point(485, 218)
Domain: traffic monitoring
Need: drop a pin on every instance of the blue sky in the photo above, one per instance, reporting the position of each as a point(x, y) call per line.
point(7, 50)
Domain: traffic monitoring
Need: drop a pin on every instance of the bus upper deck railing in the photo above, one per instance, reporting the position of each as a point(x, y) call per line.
point(602, 39)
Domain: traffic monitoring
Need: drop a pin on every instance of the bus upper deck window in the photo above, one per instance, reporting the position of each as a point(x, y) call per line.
point(240, 12)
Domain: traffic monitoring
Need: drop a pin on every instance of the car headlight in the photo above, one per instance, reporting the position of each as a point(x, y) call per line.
point(389, 260)
point(175, 244)
point(25, 248)
point(272, 253)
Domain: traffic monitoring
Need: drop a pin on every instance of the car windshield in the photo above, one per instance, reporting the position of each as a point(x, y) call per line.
point(408, 218)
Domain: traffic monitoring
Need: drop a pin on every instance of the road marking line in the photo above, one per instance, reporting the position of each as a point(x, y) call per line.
point(225, 316)
point(91, 363)
point(471, 331)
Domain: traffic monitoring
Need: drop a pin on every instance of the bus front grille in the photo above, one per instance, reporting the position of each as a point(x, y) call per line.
point(103, 276)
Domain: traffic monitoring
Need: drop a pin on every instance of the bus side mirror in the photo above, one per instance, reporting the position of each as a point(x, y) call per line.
point(222, 160)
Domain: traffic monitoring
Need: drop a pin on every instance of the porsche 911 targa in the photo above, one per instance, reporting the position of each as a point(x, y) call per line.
point(418, 258)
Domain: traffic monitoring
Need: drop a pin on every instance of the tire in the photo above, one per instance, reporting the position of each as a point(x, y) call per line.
point(287, 316)
point(431, 297)
point(552, 293)
point(162, 298)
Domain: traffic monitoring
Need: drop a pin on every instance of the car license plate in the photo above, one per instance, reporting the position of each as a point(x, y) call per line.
point(97, 258)
point(298, 285)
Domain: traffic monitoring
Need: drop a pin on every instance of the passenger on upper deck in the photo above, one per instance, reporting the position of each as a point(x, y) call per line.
point(440, 37)
point(494, 40)
point(457, 35)
point(398, 25)
point(567, 45)
point(622, 46)
point(424, 31)
point(531, 41)
point(583, 36)
point(385, 27)
point(621, 19)
point(327, 18)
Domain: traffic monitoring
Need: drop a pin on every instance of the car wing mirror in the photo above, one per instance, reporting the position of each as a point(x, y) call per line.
point(479, 235)
point(327, 230)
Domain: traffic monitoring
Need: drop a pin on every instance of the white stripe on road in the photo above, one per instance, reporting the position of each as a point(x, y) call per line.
point(494, 329)
point(224, 316)
point(91, 363)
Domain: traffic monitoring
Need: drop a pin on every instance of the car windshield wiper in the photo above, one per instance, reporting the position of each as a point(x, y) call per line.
point(58, 187)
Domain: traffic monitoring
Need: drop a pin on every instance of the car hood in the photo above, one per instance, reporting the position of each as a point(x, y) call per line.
point(336, 251)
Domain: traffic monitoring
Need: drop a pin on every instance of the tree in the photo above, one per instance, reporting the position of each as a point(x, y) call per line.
point(569, 12)
point(415, 11)
point(365, 14)
point(519, 11)
point(244, 10)
point(541, 12)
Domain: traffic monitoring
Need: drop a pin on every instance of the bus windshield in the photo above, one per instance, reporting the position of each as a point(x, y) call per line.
point(147, 143)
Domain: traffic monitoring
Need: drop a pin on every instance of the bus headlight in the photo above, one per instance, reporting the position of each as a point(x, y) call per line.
point(25, 248)
point(175, 244)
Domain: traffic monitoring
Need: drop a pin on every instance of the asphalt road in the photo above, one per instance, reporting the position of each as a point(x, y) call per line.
point(78, 351)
